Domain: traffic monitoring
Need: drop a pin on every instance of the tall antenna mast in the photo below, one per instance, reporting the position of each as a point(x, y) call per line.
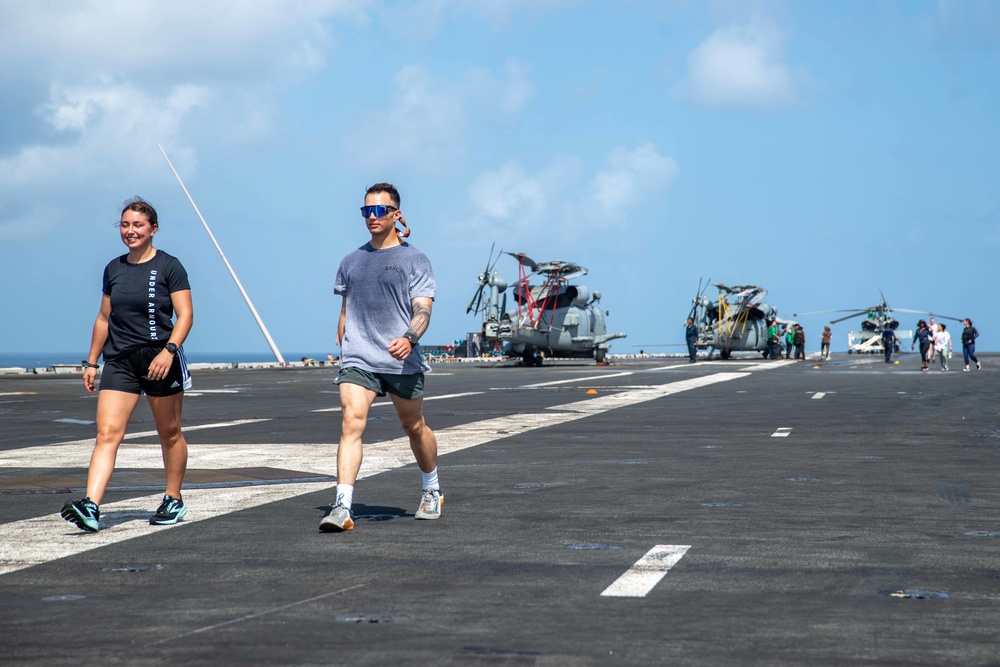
point(246, 297)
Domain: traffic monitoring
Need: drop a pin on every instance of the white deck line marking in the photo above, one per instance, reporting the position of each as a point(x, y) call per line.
point(642, 577)
point(197, 427)
point(75, 421)
point(426, 398)
point(586, 379)
point(768, 365)
point(818, 395)
point(42, 539)
point(782, 432)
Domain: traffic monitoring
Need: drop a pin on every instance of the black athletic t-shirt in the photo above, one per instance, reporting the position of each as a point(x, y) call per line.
point(141, 311)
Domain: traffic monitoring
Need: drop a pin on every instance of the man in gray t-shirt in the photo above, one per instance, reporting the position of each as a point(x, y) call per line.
point(388, 289)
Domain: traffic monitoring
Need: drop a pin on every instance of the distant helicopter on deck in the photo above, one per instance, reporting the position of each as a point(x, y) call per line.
point(552, 317)
point(735, 322)
point(877, 319)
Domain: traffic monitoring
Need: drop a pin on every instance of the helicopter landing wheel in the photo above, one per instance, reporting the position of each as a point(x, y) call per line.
point(600, 354)
point(723, 354)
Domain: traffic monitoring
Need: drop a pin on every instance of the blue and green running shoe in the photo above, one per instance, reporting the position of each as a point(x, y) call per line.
point(83, 513)
point(171, 511)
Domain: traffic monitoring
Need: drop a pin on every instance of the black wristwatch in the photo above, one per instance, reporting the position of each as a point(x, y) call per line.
point(412, 338)
point(87, 364)
point(172, 349)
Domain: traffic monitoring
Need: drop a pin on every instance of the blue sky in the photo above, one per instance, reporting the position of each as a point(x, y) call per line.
point(825, 151)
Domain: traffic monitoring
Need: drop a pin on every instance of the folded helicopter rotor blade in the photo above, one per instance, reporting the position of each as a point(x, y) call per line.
point(925, 312)
point(693, 313)
point(475, 298)
point(524, 259)
point(823, 312)
point(479, 299)
point(847, 317)
point(489, 267)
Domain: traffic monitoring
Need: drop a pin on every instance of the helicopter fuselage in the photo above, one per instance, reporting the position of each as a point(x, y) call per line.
point(551, 319)
point(736, 322)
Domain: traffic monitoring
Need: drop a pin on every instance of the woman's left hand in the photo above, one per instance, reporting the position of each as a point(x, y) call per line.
point(160, 365)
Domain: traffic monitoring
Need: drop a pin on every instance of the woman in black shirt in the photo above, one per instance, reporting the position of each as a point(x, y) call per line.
point(923, 336)
point(140, 339)
point(969, 336)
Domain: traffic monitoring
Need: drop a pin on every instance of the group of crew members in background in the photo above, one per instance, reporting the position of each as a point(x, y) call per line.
point(793, 340)
point(933, 337)
point(935, 343)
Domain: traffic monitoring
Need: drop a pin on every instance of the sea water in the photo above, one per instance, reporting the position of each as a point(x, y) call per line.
point(46, 359)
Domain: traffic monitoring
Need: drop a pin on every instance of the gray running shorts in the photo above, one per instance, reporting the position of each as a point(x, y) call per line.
point(409, 387)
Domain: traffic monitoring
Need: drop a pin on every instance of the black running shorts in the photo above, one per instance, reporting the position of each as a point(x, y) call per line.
point(128, 373)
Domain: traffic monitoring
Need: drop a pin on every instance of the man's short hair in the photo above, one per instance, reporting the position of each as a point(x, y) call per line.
point(388, 188)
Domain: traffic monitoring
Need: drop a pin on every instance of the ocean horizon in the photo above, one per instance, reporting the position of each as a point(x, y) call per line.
point(47, 359)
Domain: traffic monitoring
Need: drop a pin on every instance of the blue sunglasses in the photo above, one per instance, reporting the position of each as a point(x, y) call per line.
point(378, 209)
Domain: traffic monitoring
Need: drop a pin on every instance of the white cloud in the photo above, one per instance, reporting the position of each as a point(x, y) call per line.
point(421, 20)
point(423, 124)
point(71, 39)
point(128, 74)
point(510, 94)
point(560, 198)
point(742, 66)
point(511, 197)
point(632, 177)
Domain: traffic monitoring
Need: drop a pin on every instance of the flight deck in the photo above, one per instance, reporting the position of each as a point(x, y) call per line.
point(647, 512)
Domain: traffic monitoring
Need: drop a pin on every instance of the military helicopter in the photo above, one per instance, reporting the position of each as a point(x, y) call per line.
point(552, 317)
point(877, 319)
point(736, 322)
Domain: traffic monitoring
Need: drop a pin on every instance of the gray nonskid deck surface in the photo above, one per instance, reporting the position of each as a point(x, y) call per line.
point(837, 513)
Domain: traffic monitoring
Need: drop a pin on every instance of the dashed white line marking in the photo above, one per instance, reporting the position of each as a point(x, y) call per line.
point(818, 395)
point(782, 432)
point(642, 577)
point(67, 420)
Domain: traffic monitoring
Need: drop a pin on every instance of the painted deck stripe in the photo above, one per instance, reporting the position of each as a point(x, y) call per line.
point(782, 432)
point(768, 365)
point(586, 379)
point(647, 572)
point(426, 398)
point(818, 395)
point(42, 539)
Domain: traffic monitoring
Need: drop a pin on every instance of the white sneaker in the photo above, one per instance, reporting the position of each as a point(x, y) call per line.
point(430, 504)
point(337, 520)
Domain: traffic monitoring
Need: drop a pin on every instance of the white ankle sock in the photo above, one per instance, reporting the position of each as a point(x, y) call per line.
point(345, 495)
point(430, 479)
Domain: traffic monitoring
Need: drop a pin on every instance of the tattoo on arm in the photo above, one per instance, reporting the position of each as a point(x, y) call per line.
point(421, 317)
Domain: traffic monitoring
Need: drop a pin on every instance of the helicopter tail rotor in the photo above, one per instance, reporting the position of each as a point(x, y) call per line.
point(696, 302)
point(484, 280)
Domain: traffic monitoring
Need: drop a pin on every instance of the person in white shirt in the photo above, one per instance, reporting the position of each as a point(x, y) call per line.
point(942, 345)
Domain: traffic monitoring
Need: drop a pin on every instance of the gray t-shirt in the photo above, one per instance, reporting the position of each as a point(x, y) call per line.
point(379, 286)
